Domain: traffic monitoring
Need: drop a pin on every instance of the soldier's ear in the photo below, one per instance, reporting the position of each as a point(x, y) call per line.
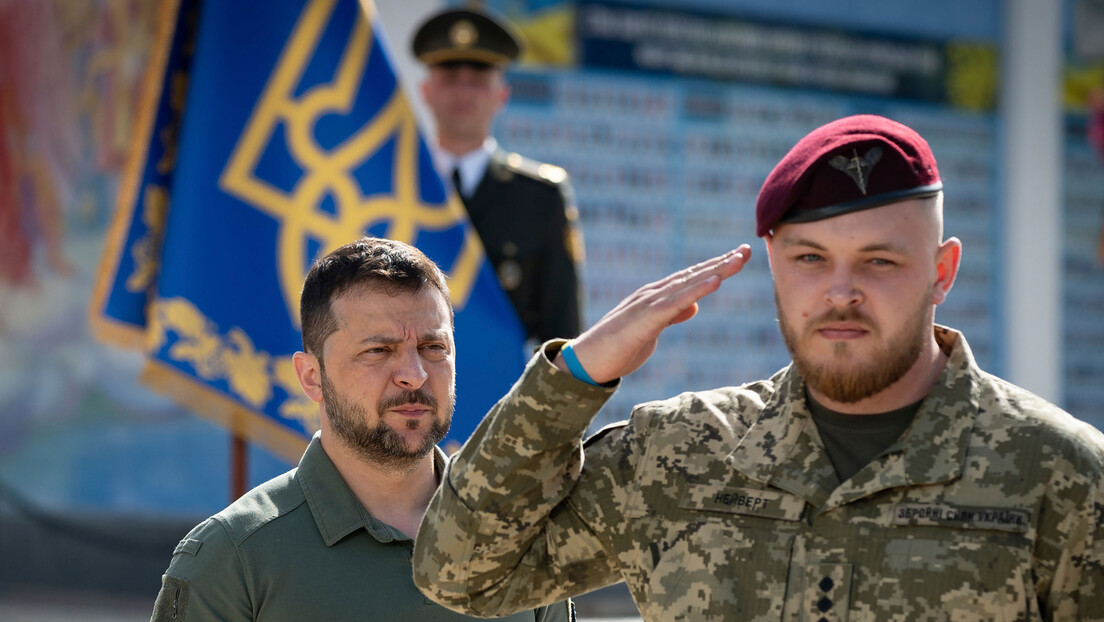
point(947, 260)
point(309, 373)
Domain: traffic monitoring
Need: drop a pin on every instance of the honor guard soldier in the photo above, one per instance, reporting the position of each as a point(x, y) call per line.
point(523, 210)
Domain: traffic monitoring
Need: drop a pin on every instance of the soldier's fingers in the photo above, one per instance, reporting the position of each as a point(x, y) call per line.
point(731, 262)
point(665, 302)
point(723, 265)
point(678, 299)
point(684, 295)
point(685, 314)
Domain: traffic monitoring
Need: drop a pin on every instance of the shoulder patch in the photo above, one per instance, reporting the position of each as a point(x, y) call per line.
point(189, 546)
point(172, 600)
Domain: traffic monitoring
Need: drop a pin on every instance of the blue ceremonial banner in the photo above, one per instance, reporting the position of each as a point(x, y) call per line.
point(274, 132)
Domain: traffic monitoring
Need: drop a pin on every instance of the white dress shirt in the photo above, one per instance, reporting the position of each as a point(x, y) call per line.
point(471, 165)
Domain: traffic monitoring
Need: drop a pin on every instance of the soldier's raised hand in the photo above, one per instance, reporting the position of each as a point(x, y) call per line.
point(624, 338)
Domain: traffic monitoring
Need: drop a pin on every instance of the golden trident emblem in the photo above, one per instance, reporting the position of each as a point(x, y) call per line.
point(331, 172)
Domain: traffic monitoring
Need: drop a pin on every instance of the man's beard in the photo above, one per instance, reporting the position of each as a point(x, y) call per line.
point(845, 379)
point(380, 444)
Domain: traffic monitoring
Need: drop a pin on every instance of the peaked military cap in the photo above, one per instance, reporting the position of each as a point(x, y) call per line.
point(850, 164)
point(467, 35)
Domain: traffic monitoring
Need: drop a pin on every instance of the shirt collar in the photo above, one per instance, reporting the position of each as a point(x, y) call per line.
point(784, 449)
point(472, 165)
point(336, 510)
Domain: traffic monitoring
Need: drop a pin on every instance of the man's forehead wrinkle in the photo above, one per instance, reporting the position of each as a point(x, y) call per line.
point(383, 339)
point(398, 331)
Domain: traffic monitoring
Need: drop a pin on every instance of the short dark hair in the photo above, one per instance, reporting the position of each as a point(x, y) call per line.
point(369, 263)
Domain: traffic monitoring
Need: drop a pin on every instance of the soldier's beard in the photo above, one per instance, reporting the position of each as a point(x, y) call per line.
point(380, 444)
point(844, 378)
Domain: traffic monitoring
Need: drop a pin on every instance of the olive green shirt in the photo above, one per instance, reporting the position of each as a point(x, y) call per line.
point(724, 505)
point(302, 547)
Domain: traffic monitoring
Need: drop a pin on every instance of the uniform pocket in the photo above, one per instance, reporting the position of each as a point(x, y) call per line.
point(717, 569)
point(968, 573)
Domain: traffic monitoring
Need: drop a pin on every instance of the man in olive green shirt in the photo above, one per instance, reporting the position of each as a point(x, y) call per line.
point(332, 539)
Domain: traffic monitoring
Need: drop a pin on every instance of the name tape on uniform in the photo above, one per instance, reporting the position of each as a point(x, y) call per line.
point(944, 515)
point(765, 503)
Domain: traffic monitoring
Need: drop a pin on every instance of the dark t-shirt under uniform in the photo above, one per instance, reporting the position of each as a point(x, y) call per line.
point(853, 441)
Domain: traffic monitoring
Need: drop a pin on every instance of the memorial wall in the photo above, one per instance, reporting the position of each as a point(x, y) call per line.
point(671, 120)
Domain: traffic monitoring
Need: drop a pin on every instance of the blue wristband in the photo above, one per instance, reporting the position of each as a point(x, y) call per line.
point(574, 366)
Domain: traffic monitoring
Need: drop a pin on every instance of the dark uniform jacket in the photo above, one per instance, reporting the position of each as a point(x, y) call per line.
point(525, 214)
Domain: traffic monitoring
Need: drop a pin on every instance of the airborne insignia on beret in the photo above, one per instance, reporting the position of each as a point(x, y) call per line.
point(858, 169)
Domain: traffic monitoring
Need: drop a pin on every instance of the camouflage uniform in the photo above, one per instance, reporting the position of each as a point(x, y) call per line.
point(722, 505)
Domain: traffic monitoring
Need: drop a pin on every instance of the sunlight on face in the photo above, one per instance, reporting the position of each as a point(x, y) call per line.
point(848, 376)
point(388, 379)
point(377, 441)
point(855, 295)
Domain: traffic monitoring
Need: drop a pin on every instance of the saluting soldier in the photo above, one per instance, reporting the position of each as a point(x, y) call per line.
point(882, 475)
point(523, 210)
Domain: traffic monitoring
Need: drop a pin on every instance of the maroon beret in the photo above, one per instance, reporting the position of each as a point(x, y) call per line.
point(850, 164)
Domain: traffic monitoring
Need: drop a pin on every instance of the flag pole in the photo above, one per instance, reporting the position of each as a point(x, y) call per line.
point(238, 467)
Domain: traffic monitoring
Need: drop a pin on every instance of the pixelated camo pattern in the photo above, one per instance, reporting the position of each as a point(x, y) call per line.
point(722, 505)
